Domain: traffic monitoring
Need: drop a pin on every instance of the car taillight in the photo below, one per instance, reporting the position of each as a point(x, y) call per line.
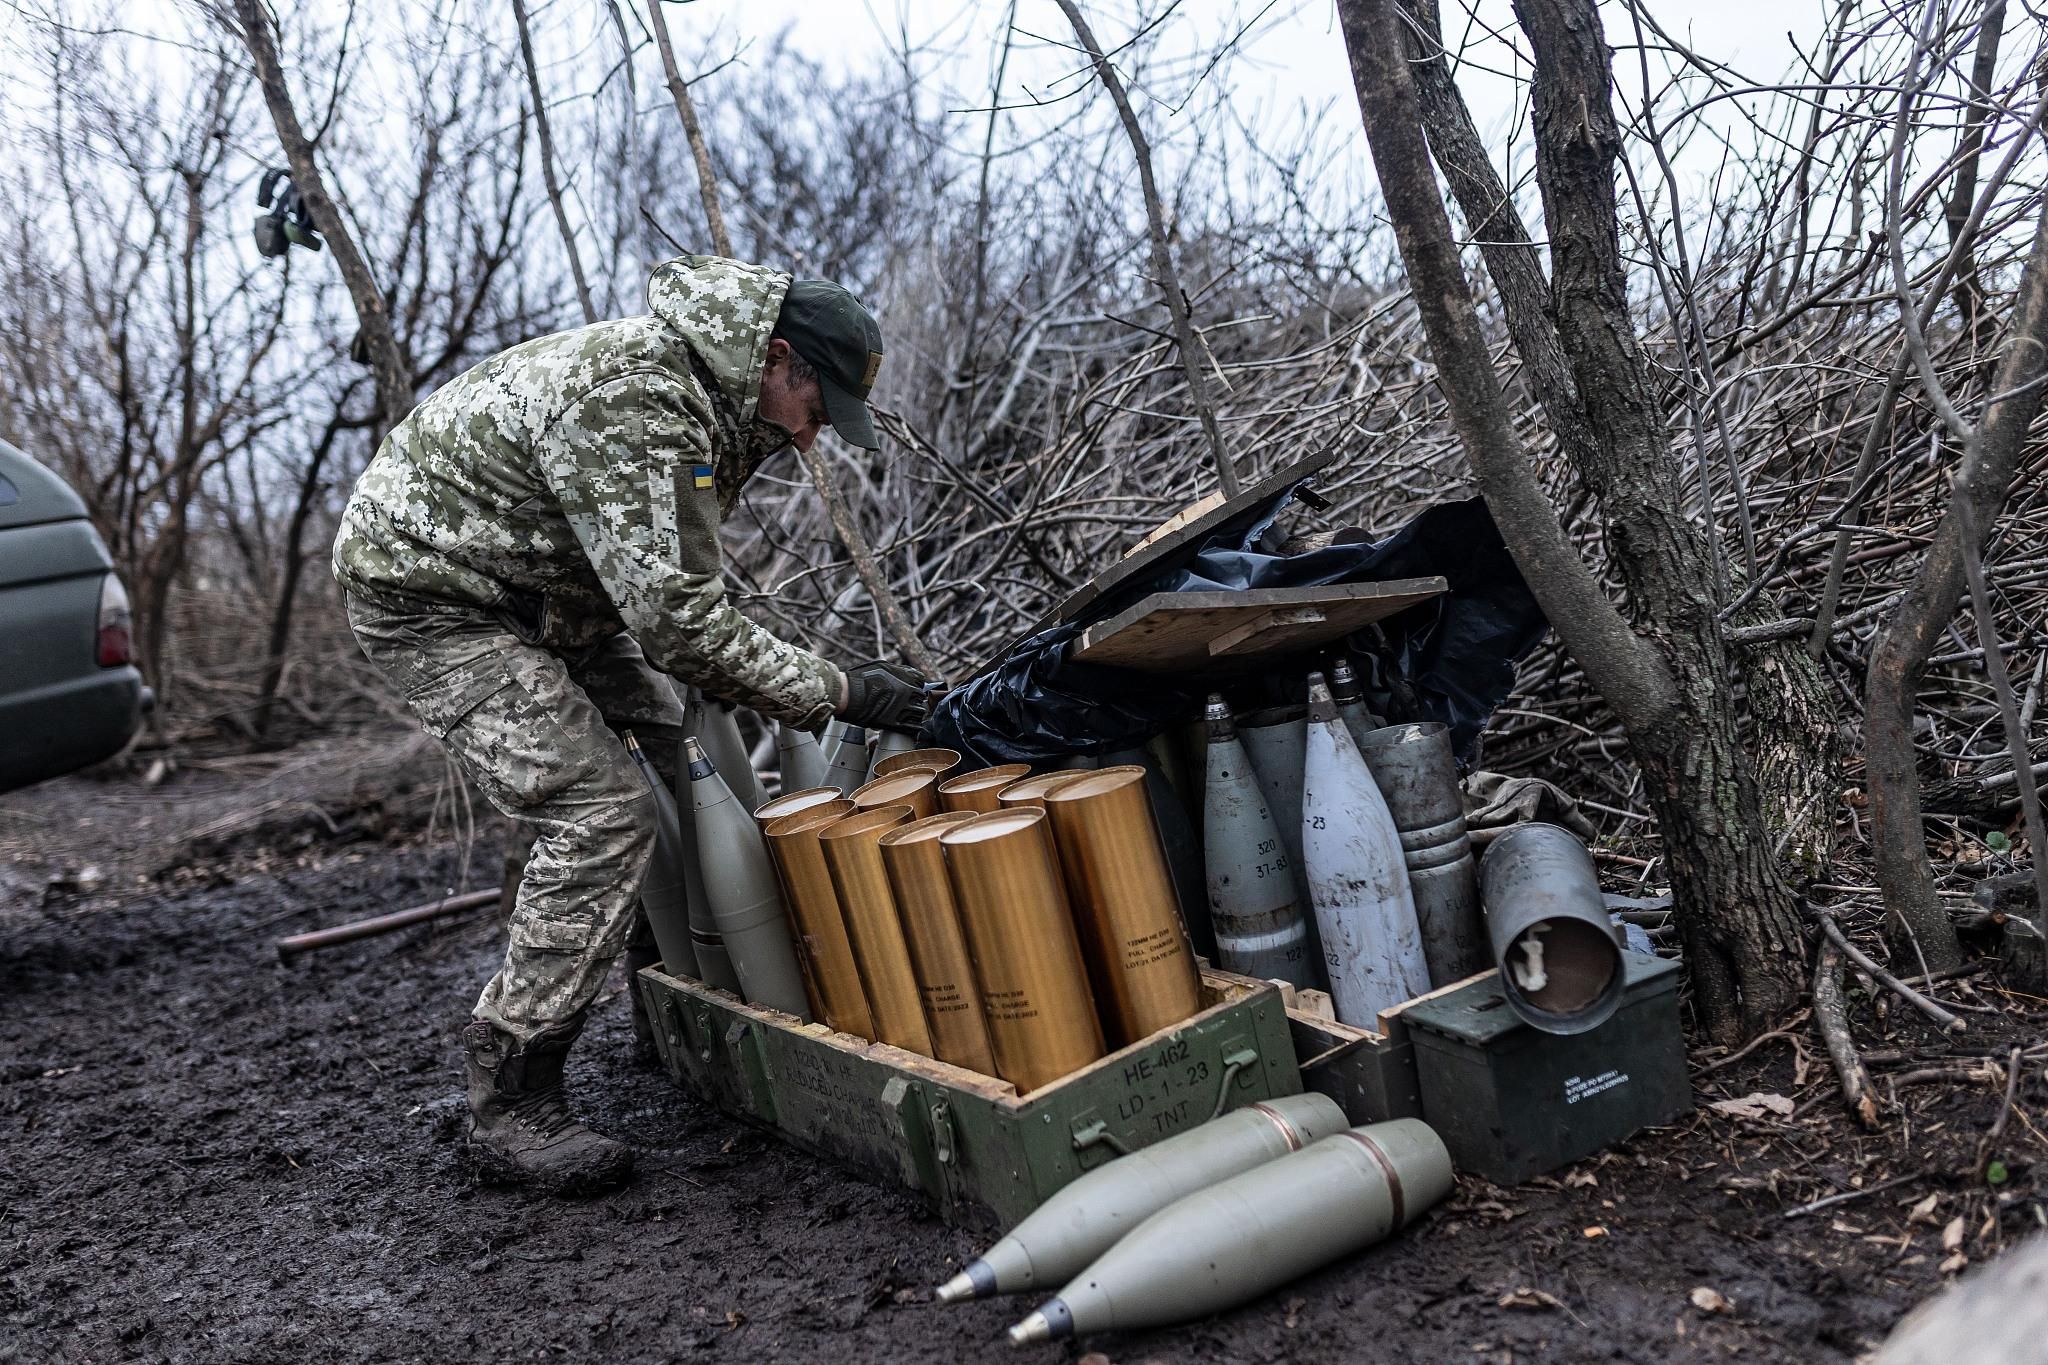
point(115, 647)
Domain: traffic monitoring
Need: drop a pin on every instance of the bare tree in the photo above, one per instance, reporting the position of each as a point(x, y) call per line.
point(1167, 277)
point(1666, 672)
point(390, 365)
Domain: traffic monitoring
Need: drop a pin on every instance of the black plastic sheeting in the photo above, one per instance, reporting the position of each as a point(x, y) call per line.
point(1450, 659)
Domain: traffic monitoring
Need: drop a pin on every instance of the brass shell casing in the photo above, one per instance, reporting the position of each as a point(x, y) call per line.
point(862, 881)
point(789, 803)
point(827, 953)
point(936, 760)
point(976, 791)
point(1027, 960)
point(938, 950)
point(1125, 909)
point(916, 789)
point(1031, 791)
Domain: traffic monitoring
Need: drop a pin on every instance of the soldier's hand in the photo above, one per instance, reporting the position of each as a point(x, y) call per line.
point(884, 696)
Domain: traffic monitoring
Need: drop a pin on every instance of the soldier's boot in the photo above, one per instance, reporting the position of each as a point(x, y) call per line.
point(520, 1128)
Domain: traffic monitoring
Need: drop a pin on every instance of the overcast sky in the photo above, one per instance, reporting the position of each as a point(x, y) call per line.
point(1292, 56)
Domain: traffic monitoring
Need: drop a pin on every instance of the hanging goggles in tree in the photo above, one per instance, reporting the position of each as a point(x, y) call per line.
point(286, 223)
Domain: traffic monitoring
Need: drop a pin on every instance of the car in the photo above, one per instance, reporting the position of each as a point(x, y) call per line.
point(70, 694)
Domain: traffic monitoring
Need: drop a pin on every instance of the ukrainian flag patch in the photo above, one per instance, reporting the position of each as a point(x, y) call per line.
point(700, 475)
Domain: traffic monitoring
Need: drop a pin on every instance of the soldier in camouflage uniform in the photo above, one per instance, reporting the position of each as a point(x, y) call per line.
point(528, 555)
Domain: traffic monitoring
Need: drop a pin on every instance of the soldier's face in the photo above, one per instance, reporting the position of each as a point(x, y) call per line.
point(799, 408)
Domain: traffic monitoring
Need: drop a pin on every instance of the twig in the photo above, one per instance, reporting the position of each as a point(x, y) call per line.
point(1947, 1020)
point(1832, 1019)
point(1846, 1195)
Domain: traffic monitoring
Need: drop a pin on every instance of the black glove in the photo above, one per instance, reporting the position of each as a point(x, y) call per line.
point(885, 697)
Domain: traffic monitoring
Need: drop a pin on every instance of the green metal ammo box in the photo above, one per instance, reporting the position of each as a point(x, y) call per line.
point(1511, 1101)
point(982, 1153)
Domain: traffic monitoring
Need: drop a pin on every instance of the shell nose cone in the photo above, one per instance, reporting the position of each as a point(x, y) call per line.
point(1032, 1329)
point(959, 1289)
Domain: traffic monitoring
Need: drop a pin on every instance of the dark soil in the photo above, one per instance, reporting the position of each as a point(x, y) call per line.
point(206, 1156)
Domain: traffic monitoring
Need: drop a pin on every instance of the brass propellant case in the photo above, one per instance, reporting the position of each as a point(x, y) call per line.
point(1124, 904)
point(862, 881)
point(938, 950)
point(977, 791)
point(841, 1001)
point(1031, 791)
point(789, 803)
point(917, 789)
point(1027, 959)
point(940, 761)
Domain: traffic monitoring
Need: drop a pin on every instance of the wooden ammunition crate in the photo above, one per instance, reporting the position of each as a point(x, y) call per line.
point(982, 1153)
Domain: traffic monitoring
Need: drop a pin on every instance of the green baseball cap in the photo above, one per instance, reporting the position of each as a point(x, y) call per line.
point(841, 341)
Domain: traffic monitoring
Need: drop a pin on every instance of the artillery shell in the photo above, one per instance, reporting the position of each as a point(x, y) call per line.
point(938, 949)
point(862, 882)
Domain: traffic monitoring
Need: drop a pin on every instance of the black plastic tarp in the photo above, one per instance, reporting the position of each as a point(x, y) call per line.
point(1450, 659)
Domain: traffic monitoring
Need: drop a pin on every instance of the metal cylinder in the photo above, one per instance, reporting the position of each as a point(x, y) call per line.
point(716, 726)
point(1058, 1239)
point(937, 760)
point(834, 977)
point(1276, 744)
point(1350, 698)
point(860, 878)
point(1254, 903)
point(847, 767)
point(1183, 849)
point(888, 743)
point(1031, 791)
point(1121, 888)
point(1027, 959)
point(978, 791)
point(803, 763)
point(746, 897)
point(1358, 882)
point(662, 893)
point(790, 803)
point(829, 736)
point(1253, 1232)
point(938, 949)
point(917, 789)
point(1560, 967)
point(707, 944)
point(1418, 776)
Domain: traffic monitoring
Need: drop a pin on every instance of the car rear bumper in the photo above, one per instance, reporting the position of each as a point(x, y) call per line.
point(62, 728)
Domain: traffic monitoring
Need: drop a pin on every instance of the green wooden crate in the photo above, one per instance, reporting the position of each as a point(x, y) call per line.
point(982, 1153)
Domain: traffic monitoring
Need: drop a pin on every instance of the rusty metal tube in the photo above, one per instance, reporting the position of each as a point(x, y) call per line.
point(830, 973)
point(1417, 774)
point(852, 852)
point(1027, 959)
point(1139, 961)
point(1560, 968)
point(978, 791)
point(938, 949)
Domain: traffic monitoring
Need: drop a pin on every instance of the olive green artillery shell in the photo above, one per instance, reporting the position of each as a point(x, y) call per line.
point(983, 1155)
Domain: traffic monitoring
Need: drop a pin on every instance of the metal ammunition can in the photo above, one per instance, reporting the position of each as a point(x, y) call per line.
point(1512, 1101)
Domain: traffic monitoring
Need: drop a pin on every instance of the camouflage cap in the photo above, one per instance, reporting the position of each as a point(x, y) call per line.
point(839, 339)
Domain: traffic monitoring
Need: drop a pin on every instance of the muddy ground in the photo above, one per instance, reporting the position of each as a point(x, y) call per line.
point(206, 1156)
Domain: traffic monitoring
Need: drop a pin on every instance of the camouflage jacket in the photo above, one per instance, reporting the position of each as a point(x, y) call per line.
point(572, 487)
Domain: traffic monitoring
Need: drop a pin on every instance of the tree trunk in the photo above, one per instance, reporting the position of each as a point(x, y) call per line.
point(387, 362)
point(1667, 680)
point(1793, 730)
point(1899, 657)
point(700, 152)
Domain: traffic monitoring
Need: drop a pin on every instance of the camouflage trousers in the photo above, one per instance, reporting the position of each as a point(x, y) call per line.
point(537, 733)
